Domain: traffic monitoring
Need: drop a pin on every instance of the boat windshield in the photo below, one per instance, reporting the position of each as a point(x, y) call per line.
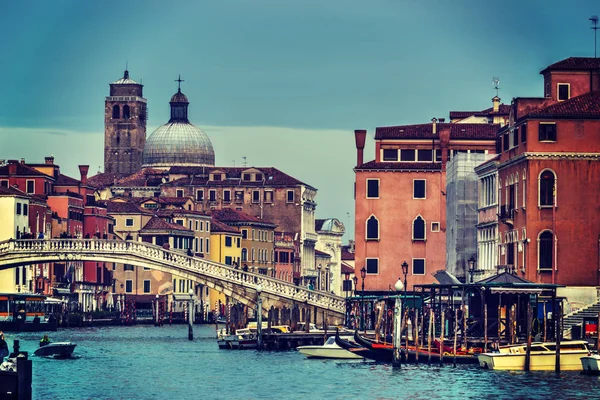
point(331, 340)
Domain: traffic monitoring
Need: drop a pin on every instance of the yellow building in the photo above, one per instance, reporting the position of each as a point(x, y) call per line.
point(225, 247)
point(14, 206)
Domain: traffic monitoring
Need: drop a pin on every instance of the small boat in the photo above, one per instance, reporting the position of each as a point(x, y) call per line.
point(542, 356)
point(591, 364)
point(329, 350)
point(56, 350)
point(361, 351)
point(245, 338)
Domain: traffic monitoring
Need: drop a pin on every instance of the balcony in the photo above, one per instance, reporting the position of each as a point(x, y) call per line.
point(309, 236)
point(507, 215)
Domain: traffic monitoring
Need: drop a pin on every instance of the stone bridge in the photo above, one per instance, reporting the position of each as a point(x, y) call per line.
point(239, 285)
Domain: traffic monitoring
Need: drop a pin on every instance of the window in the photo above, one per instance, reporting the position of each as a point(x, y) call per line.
point(212, 195)
point(268, 196)
point(515, 136)
point(419, 228)
point(418, 267)
point(523, 133)
point(146, 285)
point(129, 222)
point(200, 246)
point(128, 286)
point(227, 241)
point(407, 155)
point(372, 265)
point(372, 188)
point(25, 209)
point(228, 260)
point(545, 250)
point(498, 144)
point(127, 267)
point(390, 154)
point(418, 188)
point(239, 196)
point(4, 183)
point(247, 177)
point(510, 254)
point(372, 228)
point(506, 141)
point(244, 233)
point(116, 112)
point(424, 155)
point(546, 189)
point(238, 242)
point(217, 177)
point(564, 91)
point(438, 156)
point(18, 208)
point(547, 132)
point(256, 196)
point(179, 222)
point(179, 193)
point(435, 227)
point(126, 112)
point(227, 196)
point(207, 226)
point(252, 255)
point(290, 196)
point(30, 186)
point(207, 245)
point(200, 195)
point(244, 254)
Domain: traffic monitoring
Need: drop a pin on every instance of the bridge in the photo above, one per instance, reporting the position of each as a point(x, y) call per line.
point(239, 285)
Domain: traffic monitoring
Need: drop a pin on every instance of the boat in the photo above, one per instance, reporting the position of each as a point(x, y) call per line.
point(24, 312)
point(328, 350)
point(56, 350)
point(591, 364)
point(362, 351)
point(542, 356)
point(245, 338)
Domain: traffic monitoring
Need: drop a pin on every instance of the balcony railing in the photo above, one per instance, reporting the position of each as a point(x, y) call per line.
point(507, 215)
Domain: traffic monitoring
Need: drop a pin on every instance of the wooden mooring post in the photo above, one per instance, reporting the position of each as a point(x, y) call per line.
point(442, 338)
point(431, 321)
point(485, 328)
point(528, 351)
point(455, 333)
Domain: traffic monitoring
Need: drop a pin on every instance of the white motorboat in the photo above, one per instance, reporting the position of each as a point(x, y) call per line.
point(591, 364)
point(245, 338)
point(329, 350)
point(56, 350)
point(542, 356)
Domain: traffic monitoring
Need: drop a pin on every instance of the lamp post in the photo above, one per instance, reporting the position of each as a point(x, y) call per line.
point(471, 267)
point(405, 272)
point(319, 277)
point(259, 317)
point(156, 322)
point(346, 280)
point(363, 275)
point(190, 309)
point(404, 305)
point(355, 279)
point(397, 354)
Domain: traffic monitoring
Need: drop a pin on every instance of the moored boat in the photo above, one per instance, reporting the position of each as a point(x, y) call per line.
point(591, 364)
point(56, 350)
point(245, 338)
point(328, 350)
point(542, 356)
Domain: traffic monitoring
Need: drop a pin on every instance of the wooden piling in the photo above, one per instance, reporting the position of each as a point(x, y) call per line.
point(443, 325)
point(528, 351)
point(455, 333)
point(485, 328)
point(545, 321)
point(416, 335)
point(499, 318)
point(378, 323)
point(556, 316)
point(431, 320)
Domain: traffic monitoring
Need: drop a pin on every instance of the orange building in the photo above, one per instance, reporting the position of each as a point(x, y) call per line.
point(400, 212)
point(549, 179)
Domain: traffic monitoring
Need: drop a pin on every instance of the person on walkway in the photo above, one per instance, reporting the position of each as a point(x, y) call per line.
point(44, 341)
point(3, 347)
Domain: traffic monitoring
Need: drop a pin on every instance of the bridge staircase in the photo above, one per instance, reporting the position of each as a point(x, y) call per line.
point(589, 312)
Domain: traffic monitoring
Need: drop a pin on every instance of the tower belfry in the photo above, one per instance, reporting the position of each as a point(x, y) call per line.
point(125, 115)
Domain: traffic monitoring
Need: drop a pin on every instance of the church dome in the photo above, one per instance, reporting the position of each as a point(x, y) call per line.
point(178, 142)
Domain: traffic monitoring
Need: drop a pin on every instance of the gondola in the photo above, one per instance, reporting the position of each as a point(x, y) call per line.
point(371, 350)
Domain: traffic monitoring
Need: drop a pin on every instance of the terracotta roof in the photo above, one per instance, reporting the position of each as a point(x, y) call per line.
point(217, 227)
point(174, 201)
point(322, 254)
point(584, 106)
point(273, 177)
point(22, 170)
point(347, 269)
point(159, 224)
point(169, 212)
point(229, 215)
point(397, 166)
point(189, 170)
point(143, 178)
point(424, 131)
point(118, 207)
point(504, 109)
point(103, 180)
point(64, 180)
point(9, 192)
point(346, 254)
point(574, 63)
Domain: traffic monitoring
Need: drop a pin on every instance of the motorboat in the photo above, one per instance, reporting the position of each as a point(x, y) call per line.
point(591, 364)
point(245, 338)
point(56, 350)
point(328, 350)
point(542, 356)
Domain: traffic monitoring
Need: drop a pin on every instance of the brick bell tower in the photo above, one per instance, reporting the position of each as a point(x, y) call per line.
point(125, 116)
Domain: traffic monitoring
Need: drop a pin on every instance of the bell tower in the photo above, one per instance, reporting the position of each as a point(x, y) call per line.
point(125, 115)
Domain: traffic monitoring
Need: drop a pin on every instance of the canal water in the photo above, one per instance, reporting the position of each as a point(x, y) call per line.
point(147, 362)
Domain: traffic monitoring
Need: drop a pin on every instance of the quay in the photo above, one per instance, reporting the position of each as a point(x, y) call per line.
point(16, 385)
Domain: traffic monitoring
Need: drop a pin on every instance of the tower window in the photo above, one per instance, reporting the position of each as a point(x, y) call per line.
point(116, 112)
point(126, 113)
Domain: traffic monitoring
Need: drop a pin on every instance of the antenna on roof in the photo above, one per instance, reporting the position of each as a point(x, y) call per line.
point(244, 161)
point(496, 84)
point(594, 20)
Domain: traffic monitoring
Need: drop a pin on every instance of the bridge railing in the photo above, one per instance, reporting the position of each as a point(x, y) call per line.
point(74, 248)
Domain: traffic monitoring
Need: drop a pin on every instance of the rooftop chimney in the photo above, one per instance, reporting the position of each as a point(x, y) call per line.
point(83, 171)
point(496, 103)
point(360, 135)
point(12, 167)
point(442, 120)
point(49, 160)
point(434, 125)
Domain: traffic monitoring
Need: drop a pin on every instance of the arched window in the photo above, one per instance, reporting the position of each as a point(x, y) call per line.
point(545, 250)
point(419, 228)
point(126, 111)
point(372, 228)
point(547, 182)
point(244, 254)
point(116, 112)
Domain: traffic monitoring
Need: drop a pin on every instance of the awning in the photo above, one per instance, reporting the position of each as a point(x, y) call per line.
point(511, 290)
point(62, 291)
point(181, 296)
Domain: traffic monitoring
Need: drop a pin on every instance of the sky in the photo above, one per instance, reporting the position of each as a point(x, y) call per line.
point(282, 83)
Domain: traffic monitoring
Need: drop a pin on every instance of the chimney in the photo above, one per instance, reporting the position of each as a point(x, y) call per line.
point(434, 125)
point(83, 171)
point(12, 167)
point(22, 161)
point(360, 135)
point(49, 160)
point(496, 103)
point(442, 120)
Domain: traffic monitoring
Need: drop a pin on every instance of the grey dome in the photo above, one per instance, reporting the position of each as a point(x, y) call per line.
point(178, 143)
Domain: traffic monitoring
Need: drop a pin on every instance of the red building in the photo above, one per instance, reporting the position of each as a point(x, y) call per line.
point(400, 200)
point(549, 178)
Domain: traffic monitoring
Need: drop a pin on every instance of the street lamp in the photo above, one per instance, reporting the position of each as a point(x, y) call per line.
point(190, 309)
point(156, 321)
point(405, 272)
point(355, 279)
point(259, 317)
point(363, 275)
point(347, 278)
point(471, 267)
point(397, 352)
point(319, 277)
